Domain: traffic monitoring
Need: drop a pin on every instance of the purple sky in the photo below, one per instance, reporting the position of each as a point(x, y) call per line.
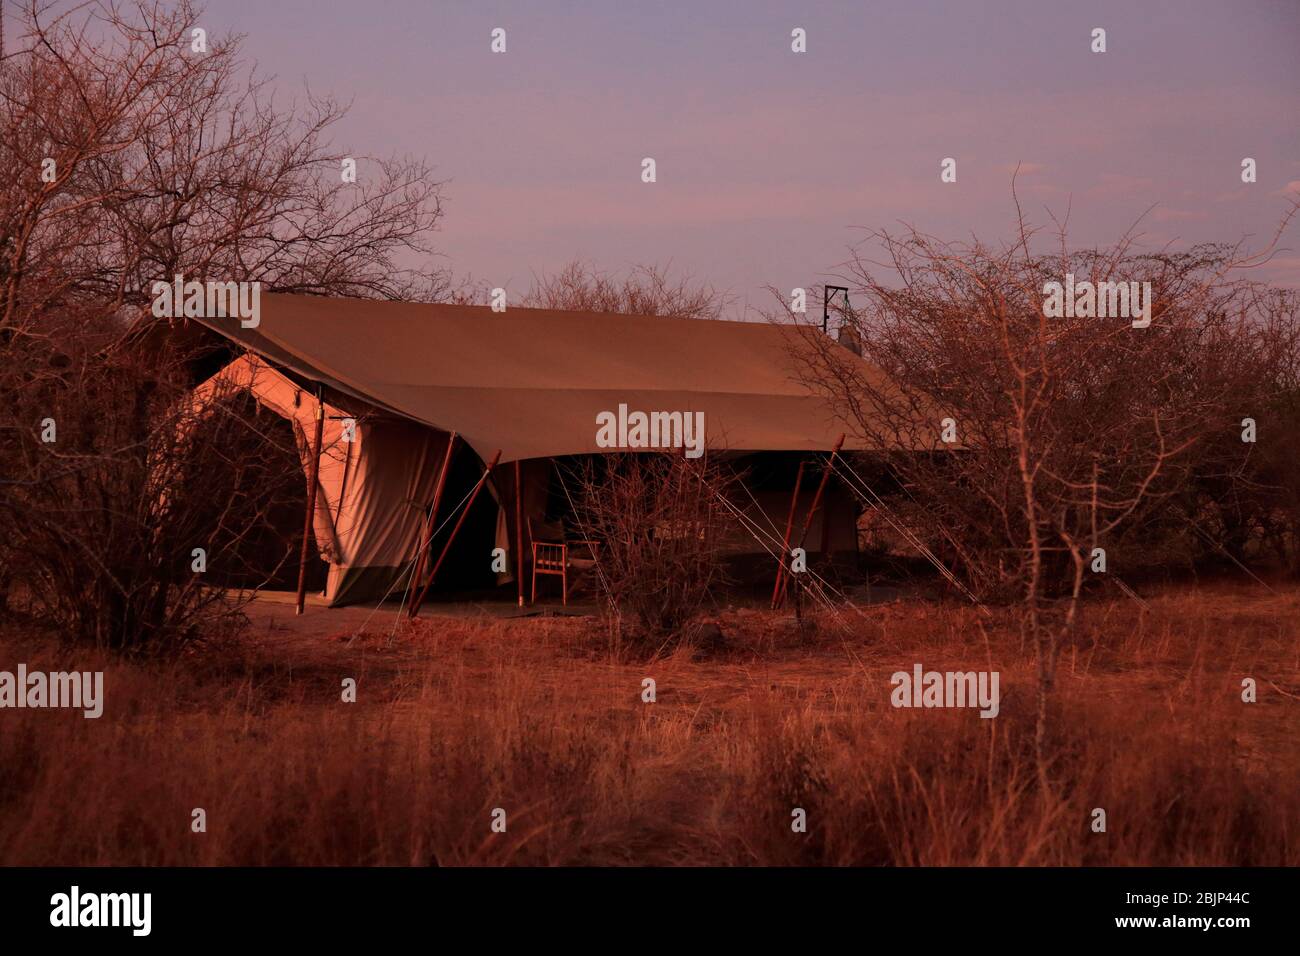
point(769, 162)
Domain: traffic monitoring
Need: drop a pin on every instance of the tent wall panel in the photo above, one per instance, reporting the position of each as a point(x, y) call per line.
point(373, 491)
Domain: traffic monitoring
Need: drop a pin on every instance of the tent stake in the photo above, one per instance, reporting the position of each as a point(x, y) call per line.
point(426, 533)
point(817, 498)
point(415, 608)
point(785, 541)
point(313, 479)
point(519, 534)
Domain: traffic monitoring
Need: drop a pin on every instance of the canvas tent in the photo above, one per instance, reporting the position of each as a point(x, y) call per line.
point(527, 383)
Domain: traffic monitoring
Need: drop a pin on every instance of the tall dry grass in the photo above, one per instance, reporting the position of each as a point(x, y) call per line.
point(457, 718)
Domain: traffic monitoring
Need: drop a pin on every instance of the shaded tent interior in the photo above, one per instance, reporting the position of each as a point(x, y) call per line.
point(395, 380)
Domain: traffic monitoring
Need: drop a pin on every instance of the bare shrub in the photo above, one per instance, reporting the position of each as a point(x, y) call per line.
point(658, 520)
point(1243, 505)
point(644, 290)
point(104, 530)
point(1071, 432)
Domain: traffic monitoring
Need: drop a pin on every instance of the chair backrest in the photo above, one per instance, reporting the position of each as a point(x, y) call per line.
point(548, 555)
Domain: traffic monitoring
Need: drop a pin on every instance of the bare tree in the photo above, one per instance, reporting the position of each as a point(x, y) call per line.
point(1030, 446)
point(138, 158)
point(136, 150)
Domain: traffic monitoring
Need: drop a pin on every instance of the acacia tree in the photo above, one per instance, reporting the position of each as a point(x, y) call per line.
point(1035, 448)
point(137, 149)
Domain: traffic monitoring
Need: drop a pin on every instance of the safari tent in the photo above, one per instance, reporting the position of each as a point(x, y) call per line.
point(405, 394)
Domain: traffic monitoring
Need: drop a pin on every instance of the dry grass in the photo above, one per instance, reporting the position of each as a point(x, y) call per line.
point(459, 717)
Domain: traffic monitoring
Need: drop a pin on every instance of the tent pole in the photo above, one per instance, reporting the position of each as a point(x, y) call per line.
point(817, 498)
point(785, 541)
point(313, 480)
point(519, 534)
point(415, 608)
point(826, 536)
point(426, 533)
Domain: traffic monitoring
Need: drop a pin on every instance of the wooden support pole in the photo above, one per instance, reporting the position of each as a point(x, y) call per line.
point(785, 540)
point(426, 533)
point(415, 608)
point(313, 480)
point(519, 534)
point(825, 549)
point(429, 524)
point(812, 510)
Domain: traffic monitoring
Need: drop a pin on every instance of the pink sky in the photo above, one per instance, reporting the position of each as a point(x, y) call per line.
point(771, 163)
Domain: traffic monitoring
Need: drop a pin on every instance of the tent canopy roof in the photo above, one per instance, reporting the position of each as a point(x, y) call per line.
point(530, 382)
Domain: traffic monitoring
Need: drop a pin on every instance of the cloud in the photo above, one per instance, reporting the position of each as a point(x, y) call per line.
point(1026, 169)
point(1282, 271)
point(1117, 185)
point(1178, 215)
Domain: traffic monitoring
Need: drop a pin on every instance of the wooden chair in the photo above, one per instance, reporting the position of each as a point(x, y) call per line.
point(554, 554)
point(550, 556)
